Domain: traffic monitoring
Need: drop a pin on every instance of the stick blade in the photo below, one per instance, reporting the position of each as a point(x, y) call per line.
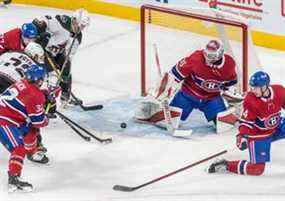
point(123, 188)
point(182, 133)
point(93, 107)
point(107, 141)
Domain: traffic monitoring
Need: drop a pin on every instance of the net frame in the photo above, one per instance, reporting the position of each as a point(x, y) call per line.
point(230, 21)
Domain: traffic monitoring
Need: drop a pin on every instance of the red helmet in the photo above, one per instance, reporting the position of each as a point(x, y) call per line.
point(213, 52)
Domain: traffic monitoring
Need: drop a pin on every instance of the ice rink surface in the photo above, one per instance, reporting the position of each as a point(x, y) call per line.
point(106, 70)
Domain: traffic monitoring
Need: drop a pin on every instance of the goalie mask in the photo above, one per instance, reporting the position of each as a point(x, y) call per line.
point(213, 52)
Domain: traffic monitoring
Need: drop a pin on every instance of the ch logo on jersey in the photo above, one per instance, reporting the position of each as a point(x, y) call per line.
point(210, 85)
point(272, 121)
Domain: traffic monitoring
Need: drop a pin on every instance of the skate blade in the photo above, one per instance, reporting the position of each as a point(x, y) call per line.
point(39, 163)
point(15, 189)
point(182, 133)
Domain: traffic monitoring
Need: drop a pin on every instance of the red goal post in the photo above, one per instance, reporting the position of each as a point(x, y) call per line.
point(179, 31)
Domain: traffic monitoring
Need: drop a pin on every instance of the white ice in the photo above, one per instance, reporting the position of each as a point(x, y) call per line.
point(106, 70)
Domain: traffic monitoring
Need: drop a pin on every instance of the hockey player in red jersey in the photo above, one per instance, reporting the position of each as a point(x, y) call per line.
point(12, 67)
point(21, 115)
point(260, 124)
point(17, 39)
point(203, 75)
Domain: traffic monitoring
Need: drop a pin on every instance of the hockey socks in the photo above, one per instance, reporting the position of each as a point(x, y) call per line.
point(16, 161)
point(245, 168)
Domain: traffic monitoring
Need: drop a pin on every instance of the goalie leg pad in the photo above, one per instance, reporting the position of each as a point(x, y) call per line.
point(226, 120)
point(151, 112)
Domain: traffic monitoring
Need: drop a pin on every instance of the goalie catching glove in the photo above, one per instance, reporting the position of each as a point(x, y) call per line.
point(232, 96)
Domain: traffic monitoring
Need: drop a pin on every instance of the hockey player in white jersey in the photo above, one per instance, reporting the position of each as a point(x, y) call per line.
point(13, 64)
point(60, 36)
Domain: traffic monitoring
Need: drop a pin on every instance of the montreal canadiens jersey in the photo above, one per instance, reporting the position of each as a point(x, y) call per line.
point(261, 116)
point(23, 103)
point(203, 81)
point(11, 41)
point(12, 65)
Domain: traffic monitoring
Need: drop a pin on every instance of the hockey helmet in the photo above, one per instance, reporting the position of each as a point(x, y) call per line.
point(35, 73)
point(259, 79)
point(35, 51)
point(214, 51)
point(29, 30)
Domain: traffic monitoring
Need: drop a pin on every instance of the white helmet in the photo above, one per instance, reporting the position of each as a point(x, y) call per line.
point(82, 18)
point(35, 51)
point(214, 51)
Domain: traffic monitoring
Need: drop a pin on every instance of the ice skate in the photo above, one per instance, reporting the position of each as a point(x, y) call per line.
point(16, 185)
point(219, 166)
point(38, 157)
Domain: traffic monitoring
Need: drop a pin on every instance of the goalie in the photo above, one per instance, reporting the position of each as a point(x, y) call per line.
point(203, 76)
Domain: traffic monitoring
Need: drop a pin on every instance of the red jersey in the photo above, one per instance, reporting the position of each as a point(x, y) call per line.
point(11, 41)
point(203, 81)
point(261, 116)
point(23, 103)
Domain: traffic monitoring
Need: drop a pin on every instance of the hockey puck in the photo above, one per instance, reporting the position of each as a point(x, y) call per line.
point(123, 125)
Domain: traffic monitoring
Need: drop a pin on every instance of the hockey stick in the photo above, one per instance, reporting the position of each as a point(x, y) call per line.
point(130, 189)
point(59, 74)
point(105, 141)
point(86, 138)
point(86, 108)
point(165, 105)
point(59, 78)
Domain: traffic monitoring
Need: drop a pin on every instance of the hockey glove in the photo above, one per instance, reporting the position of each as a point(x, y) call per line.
point(40, 24)
point(51, 94)
point(241, 142)
point(43, 39)
point(232, 95)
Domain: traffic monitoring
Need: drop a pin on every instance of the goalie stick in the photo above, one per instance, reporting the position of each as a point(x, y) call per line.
point(130, 189)
point(165, 104)
point(104, 141)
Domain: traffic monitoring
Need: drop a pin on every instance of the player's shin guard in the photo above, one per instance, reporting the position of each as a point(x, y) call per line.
point(30, 142)
point(245, 168)
point(16, 161)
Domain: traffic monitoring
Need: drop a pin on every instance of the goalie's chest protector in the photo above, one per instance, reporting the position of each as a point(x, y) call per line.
point(202, 80)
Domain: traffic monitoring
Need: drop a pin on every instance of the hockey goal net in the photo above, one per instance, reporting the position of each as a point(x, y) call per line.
point(177, 32)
